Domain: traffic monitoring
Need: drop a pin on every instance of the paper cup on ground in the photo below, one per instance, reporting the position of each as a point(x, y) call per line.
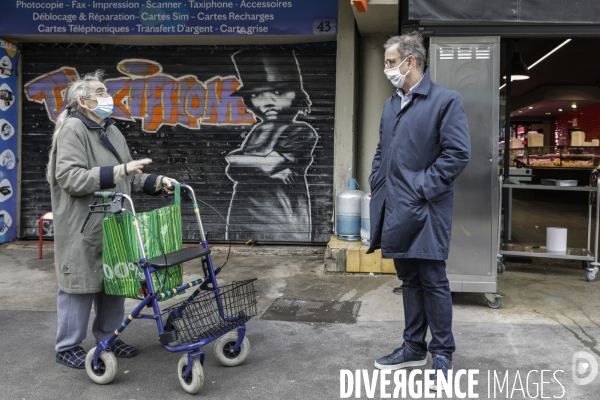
point(556, 240)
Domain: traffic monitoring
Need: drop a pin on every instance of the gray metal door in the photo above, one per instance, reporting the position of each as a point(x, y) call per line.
point(470, 65)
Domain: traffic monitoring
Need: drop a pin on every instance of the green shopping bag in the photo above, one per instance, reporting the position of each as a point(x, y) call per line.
point(161, 233)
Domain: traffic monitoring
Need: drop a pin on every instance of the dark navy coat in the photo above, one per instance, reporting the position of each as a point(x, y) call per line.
point(422, 149)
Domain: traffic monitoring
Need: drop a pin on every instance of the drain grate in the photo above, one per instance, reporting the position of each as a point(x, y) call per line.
point(294, 310)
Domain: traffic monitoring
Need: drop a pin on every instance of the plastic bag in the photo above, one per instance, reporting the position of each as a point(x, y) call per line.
point(161, 234)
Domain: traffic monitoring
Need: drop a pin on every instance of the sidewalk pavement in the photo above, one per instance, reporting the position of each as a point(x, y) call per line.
point(549, 313)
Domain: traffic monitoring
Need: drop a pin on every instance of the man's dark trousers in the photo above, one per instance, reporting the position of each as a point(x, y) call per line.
point(427, 303)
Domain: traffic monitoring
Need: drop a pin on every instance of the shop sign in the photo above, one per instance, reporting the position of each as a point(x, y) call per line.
point(169, 17)
point(8, 140)
point(152, 97)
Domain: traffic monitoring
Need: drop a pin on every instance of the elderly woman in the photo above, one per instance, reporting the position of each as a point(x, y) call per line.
point(88, 154)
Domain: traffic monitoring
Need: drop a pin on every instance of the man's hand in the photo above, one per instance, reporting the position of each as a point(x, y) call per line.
point(136, 166)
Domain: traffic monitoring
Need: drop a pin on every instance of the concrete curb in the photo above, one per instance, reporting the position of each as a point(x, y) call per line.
point(290, 250)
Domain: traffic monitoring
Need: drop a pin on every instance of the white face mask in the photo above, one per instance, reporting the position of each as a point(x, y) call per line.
point(104, 107)
point(395, 76)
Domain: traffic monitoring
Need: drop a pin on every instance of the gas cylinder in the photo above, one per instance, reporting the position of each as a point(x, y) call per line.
point(365, 219)
point(347, 214)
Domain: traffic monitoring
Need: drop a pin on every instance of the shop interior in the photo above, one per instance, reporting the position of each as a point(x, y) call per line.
point(554, 136)
point(555, 112)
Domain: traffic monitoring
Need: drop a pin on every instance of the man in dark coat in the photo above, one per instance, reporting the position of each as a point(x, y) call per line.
point(423, 146)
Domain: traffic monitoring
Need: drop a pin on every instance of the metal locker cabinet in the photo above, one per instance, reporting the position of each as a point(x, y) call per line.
point(471, 66)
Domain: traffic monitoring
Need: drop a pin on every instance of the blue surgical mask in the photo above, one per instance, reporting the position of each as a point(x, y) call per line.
point(104, 108)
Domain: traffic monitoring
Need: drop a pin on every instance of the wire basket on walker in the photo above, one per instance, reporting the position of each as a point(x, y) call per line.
point(143, 257)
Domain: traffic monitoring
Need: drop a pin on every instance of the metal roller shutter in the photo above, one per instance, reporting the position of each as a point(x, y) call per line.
point(249, 128)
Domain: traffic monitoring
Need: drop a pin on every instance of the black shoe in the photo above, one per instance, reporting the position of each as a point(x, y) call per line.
point(402, 357)
point(398, 290)
point(120, 349)
point(74, 358)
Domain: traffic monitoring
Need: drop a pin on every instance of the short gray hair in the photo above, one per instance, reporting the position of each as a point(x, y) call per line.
point(410, 44)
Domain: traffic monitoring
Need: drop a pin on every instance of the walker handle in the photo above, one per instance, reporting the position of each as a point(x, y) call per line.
point(110, 195)
point(114, 207)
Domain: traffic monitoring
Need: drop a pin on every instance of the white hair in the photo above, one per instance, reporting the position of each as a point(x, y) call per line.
point(77, 89)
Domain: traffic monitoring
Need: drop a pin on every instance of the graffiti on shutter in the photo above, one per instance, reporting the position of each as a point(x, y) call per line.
point(243, 134)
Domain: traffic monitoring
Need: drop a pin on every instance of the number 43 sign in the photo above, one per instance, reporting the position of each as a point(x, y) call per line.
point(324, 26)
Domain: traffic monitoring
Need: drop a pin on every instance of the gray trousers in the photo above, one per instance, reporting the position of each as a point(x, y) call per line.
point(74, 314)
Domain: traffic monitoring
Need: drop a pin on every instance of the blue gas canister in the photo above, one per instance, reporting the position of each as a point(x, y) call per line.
point(347, 214)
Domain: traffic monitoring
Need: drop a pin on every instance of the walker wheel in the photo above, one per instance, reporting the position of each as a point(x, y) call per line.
point(195, 380)
point(591, 276)
point(496, 303)
point(107, 367)
point(225, 343)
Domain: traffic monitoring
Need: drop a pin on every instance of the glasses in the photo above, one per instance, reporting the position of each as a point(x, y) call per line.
point(104, 94)
point(390, 62)
point(101, 94)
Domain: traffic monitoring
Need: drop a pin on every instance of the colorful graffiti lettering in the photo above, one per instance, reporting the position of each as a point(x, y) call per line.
point(155, 98)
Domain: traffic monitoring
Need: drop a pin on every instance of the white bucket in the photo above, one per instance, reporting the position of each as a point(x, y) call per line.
point(556, 239)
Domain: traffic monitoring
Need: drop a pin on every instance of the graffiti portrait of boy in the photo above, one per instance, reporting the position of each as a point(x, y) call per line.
point(271, 200)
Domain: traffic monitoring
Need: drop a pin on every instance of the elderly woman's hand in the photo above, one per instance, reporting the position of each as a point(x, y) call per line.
point(168, 184)
point(136, 166)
